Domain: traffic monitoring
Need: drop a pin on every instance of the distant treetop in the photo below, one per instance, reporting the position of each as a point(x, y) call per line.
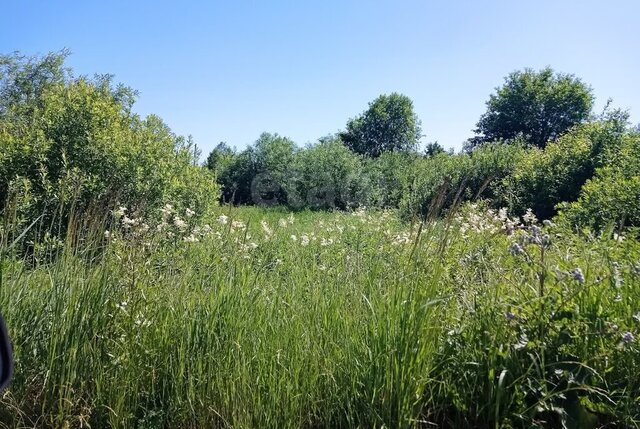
point(536, 105)
point(389, 124)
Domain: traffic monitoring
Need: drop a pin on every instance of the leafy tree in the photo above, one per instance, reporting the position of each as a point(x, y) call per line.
point(327, 175)
point(433, 149)
point(389, 124)
point(73, 145)
point(220, 158)
point(260, 173)
point(539, 106)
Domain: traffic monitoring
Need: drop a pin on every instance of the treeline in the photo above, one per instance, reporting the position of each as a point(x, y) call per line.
point(72, 144)
point(539, 146)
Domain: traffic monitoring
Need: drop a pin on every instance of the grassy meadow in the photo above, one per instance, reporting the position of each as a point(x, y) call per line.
point(257, 317)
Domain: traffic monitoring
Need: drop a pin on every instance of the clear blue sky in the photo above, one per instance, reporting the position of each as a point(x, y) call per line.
point(226, 71)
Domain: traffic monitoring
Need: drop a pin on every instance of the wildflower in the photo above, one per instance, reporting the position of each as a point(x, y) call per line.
point(529, 217)
point(577, 275)
point(502, 214)
point(304, 240)
point(107, 234)
point(547, 223)
point(326, 242)
point(190, 239)
point(237, 224)
point(179, 223)
point(189, 212)
point(265, 227)
point(294, 237)
point(166, 211)
point(522, 342)
point(291, 219)
point(127, 222)
point(618, 238)
point(161, 226)
point(636, 316)
point(510, 316)
point(144, 228)
point(122, 306)
point(282, 223)
point(515, 249)
point(628, 337)
point(120, 212)
point(223, 219)
point(509, 226)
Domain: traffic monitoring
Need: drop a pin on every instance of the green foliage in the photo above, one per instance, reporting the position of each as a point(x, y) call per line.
point(612, 196)
point(389, 124)
point(327, 175)
point(220, 158)
point(538, 106)
point(74, 146)
point(436, 183)
point(388, 177)
point(259, 174)
point(544, 178)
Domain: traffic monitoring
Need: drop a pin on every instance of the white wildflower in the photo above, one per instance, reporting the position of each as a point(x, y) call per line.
point(326, 242)
point(190, 239)
point(119, 212)
point(265, 227)
point(237, 224)
point(127, 222)
point(189, 213)
point(304, 240)
point(529, 217)
point(223, 219)
point(179, 223)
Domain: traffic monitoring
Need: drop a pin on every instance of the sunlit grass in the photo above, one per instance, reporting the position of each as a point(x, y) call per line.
point(263, 318)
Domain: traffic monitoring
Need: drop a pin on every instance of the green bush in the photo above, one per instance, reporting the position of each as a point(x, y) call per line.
point(612, 196)
point(388, 177)
point(74, 146)
point(544, 178)
point(327, 175)
point(435, 183)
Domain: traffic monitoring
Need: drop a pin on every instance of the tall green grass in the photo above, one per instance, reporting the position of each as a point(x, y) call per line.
point(373, 323)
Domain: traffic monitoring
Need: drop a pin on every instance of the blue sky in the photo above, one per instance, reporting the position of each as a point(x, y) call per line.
point(226, 71)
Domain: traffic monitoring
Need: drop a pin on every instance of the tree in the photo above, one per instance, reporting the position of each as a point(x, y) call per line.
point(220, 158)
point(389, 124)
point(433, 149)
point(539, 106)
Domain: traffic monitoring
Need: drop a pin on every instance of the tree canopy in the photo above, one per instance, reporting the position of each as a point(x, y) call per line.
point(537, 105)
point(389, 124)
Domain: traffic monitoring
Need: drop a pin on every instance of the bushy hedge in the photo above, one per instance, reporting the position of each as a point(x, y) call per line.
point(73, 145)
point(546, 177)
point(612, 197)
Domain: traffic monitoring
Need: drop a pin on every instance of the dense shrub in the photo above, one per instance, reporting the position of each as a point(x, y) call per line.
point(257, 175)
point(388, 177)
point(327, 175)
point(74, 146)
point(612, 196)
point(437, 182)
point(544, 178)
